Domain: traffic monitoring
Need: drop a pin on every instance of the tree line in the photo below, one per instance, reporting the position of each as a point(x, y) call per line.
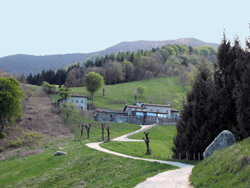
point(218, 101)
point(130, 66)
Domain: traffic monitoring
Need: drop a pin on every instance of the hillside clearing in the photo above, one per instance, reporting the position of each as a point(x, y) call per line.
point(162, 89)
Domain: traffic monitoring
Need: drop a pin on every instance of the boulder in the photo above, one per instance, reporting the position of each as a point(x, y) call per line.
point(223, 140)
point(57, 153)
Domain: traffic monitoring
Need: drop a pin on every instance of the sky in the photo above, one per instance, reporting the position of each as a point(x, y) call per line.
point(44, 27)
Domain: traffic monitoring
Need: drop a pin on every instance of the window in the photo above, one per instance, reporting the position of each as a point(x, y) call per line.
point(82, 101)
point(76, 101)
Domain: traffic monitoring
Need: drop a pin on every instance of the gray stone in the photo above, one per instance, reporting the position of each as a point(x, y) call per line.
point(57, 153)
point(223, 140)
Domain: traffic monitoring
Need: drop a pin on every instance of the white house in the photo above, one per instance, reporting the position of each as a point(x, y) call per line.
point(79, 100)
point(156, 110)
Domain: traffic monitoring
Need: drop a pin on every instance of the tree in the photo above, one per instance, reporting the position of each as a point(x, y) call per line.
point(148, 152)
point(94, 82)
point(10, 101)
point(148, 75)
point(194, 132)
point(88, 130)
point(140, 90)
point(242, 93)
point(48, 88)
point(183, 77)
point(108, 130)
point(103, 128)
point(65, 92)
point(68, 110)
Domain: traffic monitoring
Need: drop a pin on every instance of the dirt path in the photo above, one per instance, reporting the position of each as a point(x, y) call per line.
point(170, 179)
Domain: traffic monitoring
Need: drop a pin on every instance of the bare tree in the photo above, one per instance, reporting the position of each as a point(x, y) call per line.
point(103, 91)
point(82, 129)
point(88, 129)
point(135, 93)
point(108, 130)
point(150, 99)
point(147, 143)
point(103, 127)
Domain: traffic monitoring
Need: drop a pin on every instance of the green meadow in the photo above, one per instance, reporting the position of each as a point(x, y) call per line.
point(162, 89)
point(82, 167)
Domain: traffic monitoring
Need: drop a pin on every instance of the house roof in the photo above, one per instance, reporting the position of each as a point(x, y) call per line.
point(82, 96)
point(140, 101)
point(157, 105)
point(131, 106)
point(174, 110)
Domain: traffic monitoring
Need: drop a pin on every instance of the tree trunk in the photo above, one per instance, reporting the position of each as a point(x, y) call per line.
point(88, 129)
point(108, 130)
point(147, 143)
point(92, 98)
point(103, 127)
point(82, 130)
point(2, 125)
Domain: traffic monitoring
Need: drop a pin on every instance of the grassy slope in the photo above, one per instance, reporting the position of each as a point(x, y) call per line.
point(161, 142)
point(82, 167)
point(228, 167)
point(163, 90)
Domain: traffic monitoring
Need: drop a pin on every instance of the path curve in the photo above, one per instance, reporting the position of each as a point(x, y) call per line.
point(170, 179)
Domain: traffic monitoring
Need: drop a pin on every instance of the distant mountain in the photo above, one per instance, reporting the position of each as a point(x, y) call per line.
point(34, 64)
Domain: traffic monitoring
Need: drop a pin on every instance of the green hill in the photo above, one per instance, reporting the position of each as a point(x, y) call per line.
point(229, 167)
point(162, 89)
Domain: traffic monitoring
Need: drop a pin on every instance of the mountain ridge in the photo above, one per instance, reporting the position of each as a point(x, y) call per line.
point(23, 63)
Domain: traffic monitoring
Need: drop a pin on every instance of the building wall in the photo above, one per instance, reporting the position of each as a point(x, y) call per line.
point(80, 102)
point(140, 120)
point(159, 109)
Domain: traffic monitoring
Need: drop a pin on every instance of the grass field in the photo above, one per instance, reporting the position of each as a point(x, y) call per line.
point(229, 167)
point(162, 89)
point(82, 167)
point(161, 142)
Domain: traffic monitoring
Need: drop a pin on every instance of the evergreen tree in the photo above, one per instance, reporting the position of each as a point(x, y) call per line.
point(242, 93)
point(225, 72)
point(194, 122)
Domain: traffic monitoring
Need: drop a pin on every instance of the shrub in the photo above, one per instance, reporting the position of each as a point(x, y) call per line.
point(2, 149)
point(16, 144)
point(3, 135)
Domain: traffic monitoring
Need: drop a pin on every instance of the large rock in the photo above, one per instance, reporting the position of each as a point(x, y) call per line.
point(223, 140)
point(57, 153)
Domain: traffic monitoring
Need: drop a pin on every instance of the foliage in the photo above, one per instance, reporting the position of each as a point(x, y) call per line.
point(94, 82)
point(127, 66)
point(10, 103)
point(2, 148)
point(49, 88)
point(217, 104)
point(227, 167)
point(68, 110)
point(3, 135)
point(140, 90)
point(194, 134)
point(65, 92)
point(16, 144)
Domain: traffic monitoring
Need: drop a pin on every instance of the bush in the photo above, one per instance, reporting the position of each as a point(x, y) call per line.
point(16, 144)
point(3, 135)
point(2, 149)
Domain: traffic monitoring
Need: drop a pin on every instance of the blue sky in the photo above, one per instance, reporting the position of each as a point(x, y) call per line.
point(42, 27)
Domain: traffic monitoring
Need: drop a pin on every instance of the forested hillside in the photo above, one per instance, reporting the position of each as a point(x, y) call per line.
point(25, 64)
point(171, 60)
